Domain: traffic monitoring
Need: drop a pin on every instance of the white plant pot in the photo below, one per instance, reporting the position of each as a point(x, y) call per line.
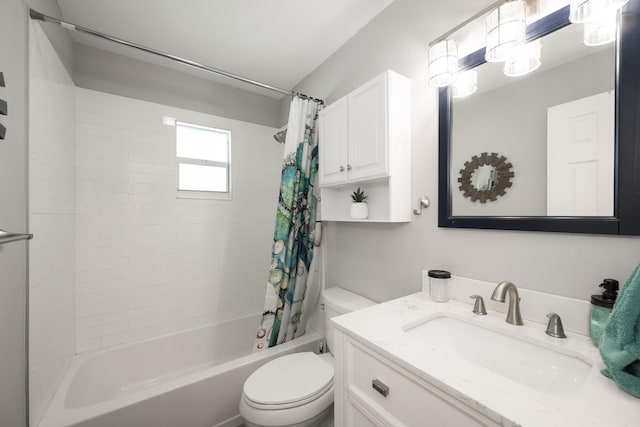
point(359, 211)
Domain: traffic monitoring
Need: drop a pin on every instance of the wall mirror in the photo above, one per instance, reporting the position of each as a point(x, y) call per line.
point(571, 129)
point(485, 177)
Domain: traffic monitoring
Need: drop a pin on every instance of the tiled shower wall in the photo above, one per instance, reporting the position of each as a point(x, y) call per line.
point(147, 263)
point(51, 216)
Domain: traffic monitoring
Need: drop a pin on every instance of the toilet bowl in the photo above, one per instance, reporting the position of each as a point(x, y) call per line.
point(296, 390)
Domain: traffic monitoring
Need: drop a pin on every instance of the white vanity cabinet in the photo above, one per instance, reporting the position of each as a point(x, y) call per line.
point(365, 142)
point(371, 390)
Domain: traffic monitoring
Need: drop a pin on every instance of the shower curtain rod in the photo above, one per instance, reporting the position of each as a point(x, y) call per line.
point(45, 18)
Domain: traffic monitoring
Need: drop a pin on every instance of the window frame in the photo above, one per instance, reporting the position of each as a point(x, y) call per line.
point(204, 194)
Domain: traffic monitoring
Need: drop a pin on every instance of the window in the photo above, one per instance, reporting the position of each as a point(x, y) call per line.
point(204, 162)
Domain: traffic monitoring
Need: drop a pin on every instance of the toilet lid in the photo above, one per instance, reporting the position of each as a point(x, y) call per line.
point(288, 379)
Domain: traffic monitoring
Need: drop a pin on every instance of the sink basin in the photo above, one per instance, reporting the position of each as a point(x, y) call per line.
point(534, 364)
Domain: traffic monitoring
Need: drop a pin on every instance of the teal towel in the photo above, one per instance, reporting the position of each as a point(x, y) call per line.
point(620, 344)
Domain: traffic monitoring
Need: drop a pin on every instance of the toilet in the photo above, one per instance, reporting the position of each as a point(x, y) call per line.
point(304, 396)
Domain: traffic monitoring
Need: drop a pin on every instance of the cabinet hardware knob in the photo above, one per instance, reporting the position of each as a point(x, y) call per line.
point(349, 167)
point(380, 387)
point(341, 168)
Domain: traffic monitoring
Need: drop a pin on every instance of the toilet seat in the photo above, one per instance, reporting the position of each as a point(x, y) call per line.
point(301, 378)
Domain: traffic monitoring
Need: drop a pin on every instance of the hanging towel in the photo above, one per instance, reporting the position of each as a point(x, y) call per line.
point(620, 345)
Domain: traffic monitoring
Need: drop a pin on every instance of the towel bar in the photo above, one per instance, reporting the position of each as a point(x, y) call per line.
point(6, 236)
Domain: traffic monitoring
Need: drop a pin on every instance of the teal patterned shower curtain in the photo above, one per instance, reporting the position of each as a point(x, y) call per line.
point(293, 241)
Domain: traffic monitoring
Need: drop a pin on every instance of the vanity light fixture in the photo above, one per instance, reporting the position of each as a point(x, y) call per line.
point(601, 31)
point(524, 59)
point(506, 28)
point(443, 51)
point(443, 63)
point(581, 11)
point(465, 84)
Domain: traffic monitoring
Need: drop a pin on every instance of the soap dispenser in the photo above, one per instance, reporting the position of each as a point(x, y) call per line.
point(601, 306)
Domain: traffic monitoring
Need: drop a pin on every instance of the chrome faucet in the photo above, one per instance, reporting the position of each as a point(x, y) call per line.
point(500, 292)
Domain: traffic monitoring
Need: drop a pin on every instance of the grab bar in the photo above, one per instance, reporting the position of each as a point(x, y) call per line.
point(6, 236)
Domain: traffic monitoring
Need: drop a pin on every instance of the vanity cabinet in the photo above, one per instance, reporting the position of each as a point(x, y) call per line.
point(365, 142)
point(371, 390)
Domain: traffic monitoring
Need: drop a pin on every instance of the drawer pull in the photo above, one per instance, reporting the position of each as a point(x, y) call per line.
point(380, 387)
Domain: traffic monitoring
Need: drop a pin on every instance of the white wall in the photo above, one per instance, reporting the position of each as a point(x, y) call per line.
point(60, 38)
point(382, 261)
point(13, 214)
point(147, 263)
point(109, 72)
point(13, 205)
point(51, 216)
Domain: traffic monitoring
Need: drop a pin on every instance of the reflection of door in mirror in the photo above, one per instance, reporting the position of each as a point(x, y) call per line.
point(580, 157)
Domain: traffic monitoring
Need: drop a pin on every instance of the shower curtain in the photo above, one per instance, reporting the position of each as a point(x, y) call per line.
point(283, 316)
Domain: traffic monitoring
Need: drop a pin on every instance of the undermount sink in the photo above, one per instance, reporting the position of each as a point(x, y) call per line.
point(531, 363)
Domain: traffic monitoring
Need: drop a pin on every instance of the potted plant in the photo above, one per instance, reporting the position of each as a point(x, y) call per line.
point(359, 208)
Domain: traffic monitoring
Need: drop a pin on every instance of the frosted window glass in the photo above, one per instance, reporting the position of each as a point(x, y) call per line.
point(197, 142)
point(202, 178)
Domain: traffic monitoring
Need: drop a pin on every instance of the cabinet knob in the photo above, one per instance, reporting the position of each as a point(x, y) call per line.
point(349, 167)
point(380, 387)
point(341, 168)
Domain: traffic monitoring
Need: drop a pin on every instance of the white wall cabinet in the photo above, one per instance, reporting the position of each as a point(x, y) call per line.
point(398, 398)
point(365, 142)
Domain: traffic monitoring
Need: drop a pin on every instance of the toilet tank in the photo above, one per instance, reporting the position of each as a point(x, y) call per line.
point(339, 301)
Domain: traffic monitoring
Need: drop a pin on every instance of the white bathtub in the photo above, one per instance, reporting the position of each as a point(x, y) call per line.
point(189, 379)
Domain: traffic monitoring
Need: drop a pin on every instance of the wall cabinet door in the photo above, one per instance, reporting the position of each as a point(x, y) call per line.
point(368, 131)
point(333, 134)
point(354, 135)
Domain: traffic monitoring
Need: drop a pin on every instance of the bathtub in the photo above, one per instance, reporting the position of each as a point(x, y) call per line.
point(188, 379)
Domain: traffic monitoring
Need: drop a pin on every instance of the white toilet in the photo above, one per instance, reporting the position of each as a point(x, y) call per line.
point(305, 393)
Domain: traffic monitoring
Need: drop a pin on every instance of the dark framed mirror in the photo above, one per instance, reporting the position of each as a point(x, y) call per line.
point(621, 215)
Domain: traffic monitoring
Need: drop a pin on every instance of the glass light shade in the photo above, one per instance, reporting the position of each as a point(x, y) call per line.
point(581, 11)
point(506, 27)
point(466, 83)
point(601, 31)
point(443, 63)
point(524, 59)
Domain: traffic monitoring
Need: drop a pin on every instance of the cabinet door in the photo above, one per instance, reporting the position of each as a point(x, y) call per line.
point(406, 401)
point(333, 144)
point(368, 142)
point(356, 417)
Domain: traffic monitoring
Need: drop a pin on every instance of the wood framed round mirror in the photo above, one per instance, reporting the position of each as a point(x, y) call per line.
point(485, 177)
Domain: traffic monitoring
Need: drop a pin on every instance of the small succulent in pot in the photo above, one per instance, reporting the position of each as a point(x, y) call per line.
point(359, 207)
point(358, 196)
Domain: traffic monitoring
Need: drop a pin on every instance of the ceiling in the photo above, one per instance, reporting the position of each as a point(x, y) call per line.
point(277, 42)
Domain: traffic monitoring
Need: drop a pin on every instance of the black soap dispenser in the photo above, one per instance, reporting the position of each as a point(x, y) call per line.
point(601, 306)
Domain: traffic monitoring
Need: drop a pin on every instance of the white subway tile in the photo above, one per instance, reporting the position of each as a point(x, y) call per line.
point(161, 264)
point(88, 322)
point(88, 333)
point(87, 345)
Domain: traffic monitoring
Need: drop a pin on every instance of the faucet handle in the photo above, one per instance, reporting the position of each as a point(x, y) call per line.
point(554, 328)
point(478, 307)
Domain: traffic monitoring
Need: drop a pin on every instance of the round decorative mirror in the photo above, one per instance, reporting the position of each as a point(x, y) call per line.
point(485, 177)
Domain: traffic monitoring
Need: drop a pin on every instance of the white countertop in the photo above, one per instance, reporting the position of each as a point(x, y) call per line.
point(599, 402)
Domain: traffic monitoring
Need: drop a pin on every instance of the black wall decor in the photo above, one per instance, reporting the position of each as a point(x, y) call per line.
point(3, 108)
